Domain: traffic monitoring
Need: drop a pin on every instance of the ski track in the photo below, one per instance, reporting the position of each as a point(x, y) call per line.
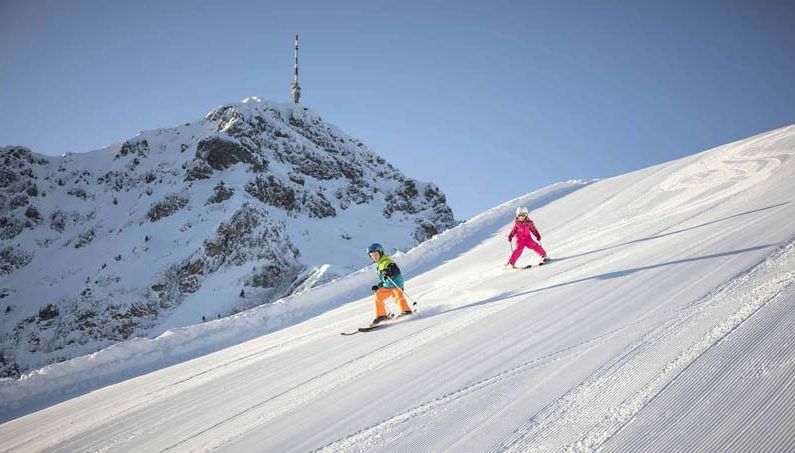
point(257, 414)
point(575, 406)
point(171, 389)
point(745, 295)
point(589, 235)
point(376, 436)
point(738, 185)
point(388, 431)
point(755, 363)
point(625, 249)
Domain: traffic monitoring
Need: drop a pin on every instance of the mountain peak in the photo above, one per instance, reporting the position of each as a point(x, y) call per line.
point(180, 224)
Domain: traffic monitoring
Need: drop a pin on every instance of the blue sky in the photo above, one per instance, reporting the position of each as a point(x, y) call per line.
point(488, 99)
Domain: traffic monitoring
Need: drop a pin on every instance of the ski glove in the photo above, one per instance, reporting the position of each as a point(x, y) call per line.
point(375, 288)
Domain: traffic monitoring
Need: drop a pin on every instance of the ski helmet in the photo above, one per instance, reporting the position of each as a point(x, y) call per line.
point(375, 247)
point(522, 210)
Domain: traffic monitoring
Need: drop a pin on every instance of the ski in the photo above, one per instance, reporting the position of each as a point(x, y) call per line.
point(366, 328)
point(518, 268)
point(369, 328)
point(376, 326)
point(527, 266)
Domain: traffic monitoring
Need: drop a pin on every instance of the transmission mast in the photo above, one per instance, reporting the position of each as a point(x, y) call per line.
point(295, 89)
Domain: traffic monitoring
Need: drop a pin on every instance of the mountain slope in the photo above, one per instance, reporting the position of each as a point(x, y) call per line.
point(664, 285)
point(257, 201)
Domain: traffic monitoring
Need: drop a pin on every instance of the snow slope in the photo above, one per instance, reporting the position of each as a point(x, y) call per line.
point(664, 322)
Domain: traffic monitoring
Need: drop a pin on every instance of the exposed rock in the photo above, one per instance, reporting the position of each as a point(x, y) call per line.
point(12, 227)
point(48, 312)
point(78, 192)
point(9, 368)
point(119, 180)
point(220, 194)
point(428, 199)
point(166, 207)
point(354, 193)
point(249, 235)
point(19, 157)
point(85, 238)
point(272, 191)
point(221, 154)
point(7, 177)
point(289, 196)
point(318, 206)
point(139, 148)
point(19, 201)
point(12, 259)
point(33, 214)
point(197, 170)
point(58, 221)
point(296, 178)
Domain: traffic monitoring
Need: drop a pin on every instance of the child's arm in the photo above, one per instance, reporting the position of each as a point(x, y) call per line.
point(391, 271)
point(535, 231)
point(513, 233)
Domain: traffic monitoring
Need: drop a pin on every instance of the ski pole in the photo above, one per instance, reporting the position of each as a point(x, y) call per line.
point(413, 302)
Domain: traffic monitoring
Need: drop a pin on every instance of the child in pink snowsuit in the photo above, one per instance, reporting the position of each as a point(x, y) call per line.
point(524, 229)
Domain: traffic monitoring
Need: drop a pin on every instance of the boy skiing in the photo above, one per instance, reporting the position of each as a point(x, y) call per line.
point(390, 284)
point(524, 229)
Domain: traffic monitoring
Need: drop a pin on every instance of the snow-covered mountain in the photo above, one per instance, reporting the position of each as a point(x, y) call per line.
point(664, 322)
point(257, 201)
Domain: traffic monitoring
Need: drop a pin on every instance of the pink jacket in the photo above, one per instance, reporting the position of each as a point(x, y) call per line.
point(522, 229)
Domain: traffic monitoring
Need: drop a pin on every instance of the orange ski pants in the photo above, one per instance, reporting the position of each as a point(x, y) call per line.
point(385, 293)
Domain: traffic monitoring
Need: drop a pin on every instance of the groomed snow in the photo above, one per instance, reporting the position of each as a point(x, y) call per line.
point(663, 322)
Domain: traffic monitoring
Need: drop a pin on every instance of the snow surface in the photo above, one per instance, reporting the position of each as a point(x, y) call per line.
point(664, 322)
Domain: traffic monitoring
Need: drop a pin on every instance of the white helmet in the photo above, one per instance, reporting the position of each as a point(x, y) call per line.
point(522, 210)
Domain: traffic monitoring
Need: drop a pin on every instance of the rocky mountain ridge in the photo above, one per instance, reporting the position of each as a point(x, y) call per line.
point(183, 224)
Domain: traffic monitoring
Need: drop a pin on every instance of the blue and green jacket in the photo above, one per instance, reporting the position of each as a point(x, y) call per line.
point(386, 267)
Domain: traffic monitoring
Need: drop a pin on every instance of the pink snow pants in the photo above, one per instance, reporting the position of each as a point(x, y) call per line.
point(521, 244)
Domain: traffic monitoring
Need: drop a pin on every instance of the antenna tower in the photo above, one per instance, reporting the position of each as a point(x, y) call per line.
point(295, 89)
